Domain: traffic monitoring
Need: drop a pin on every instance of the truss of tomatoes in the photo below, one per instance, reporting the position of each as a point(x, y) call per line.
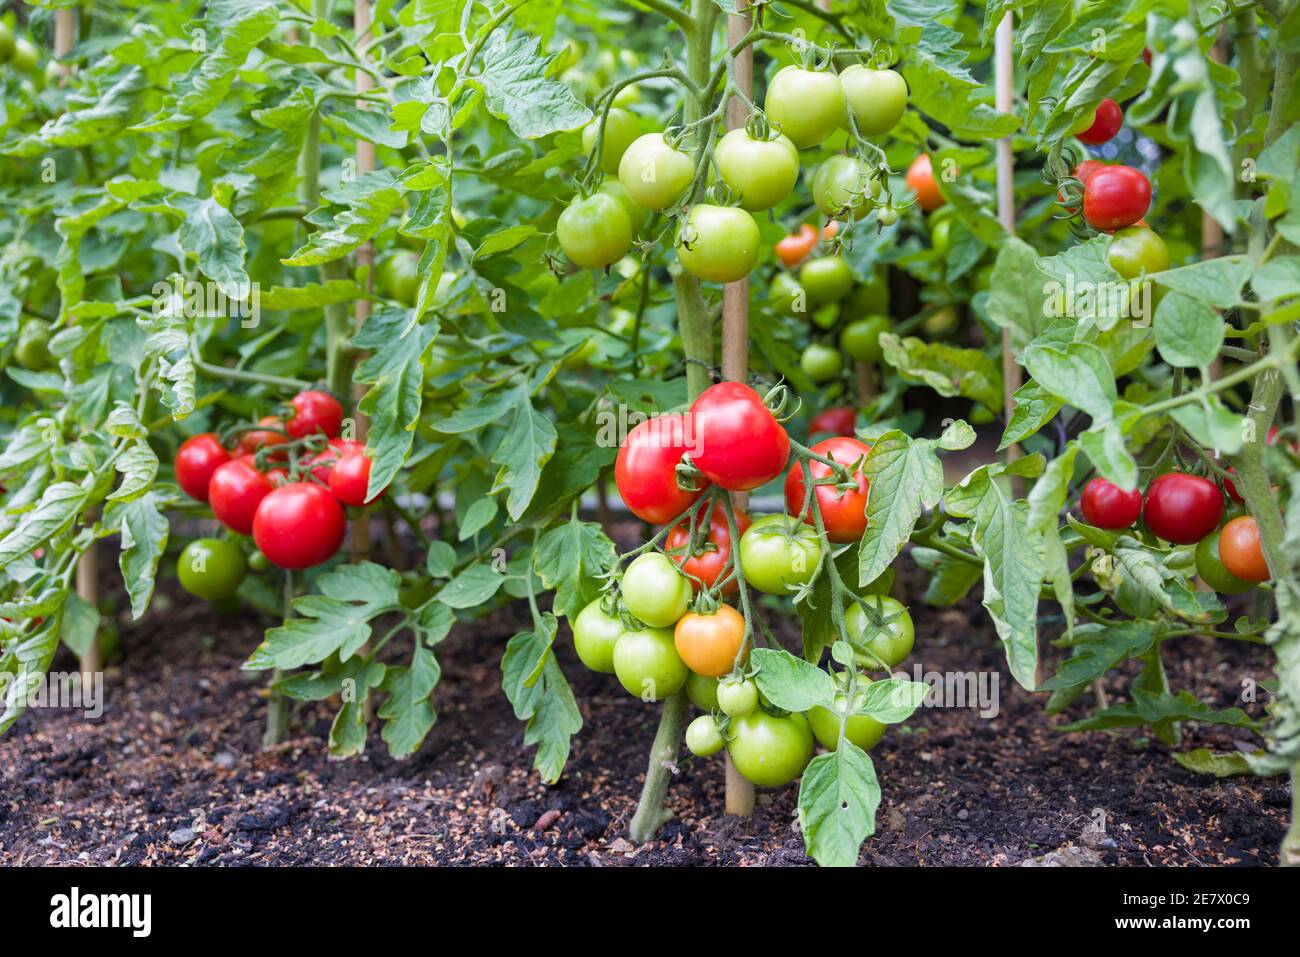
point(296, 518)
point(1185, 509)
point(671, 628)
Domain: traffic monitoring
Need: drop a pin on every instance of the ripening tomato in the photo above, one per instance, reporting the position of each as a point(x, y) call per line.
point(594, 232)
point(708, 562)
point(920, 177)
point(843, 186)
point(654, 591)
point(710, 644)
point(861, 338)
point(770, 751)
point(197, 458)
point(314, 411)
point(235, 491)
point(826, 279)
point(703, 737)
point(843, 510)
point(838, 420)
point(594, 636)
point(1115, 197)
point(645, 471)
point(647, 664)
point(718, 243)
point(821, 363)
point(1209, 565)
point(1105, 505)
point(1137, 250)
point(255, 439)
point(621, 129)
point(1182, 508)
point(736, 697)
point(889, 642)
point(779, 553)
point(808, 104)
point(1107, 119)
point(1241, 552)
point(739, 445)
point(211, 568)
point(794, 249)
point(762, 172)
point(350, 478)
point(655, 174)
point(299, 525)
point(863, 730)
point(877, 98)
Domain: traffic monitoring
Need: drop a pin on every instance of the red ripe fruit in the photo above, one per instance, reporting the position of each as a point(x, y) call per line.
point(1182, 508)
point(198, 457)
point(1105, 505)
point(645, 471)
point(1115, 197)
point(739, 445)
point(314, 411)
point(837, 420)
point(1109, 119)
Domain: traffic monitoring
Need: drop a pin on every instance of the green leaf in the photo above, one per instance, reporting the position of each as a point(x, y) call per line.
point(892, 701)
point(310, 296)
point(1014, 303)
point(144, 532)
point(58, 507)
point(1097, 649)
point(441, 559)
point(1163, 584)
point(1214, 282)
point(408, 711)
point(525, 447)
point(1212, 424)
point(139, 468)
point(1034, 408)
point(1105, 447)
point(791, 683)
point(79, 624)
point(1149, 708)
point(569, 559)
point(1189, 333)
point(369, 200)
point(1221, 765)
point(1046, 500)
point(950, 578)
point(519, 90)
point(1079, 374)
point(472, 587)
point(838, 797)
point(1277, 279)
point(906, 479)
point(348, 732)
point(546, 702)
point(948, 370)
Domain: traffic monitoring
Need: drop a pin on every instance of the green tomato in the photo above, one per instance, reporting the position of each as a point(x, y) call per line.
point(788, 298)
point(258, 562)
point(655, 174)
point(594, 636)
point(808, 105)
point(398, 277)
point(25, 57)
point(941, 236)
point(870, 298)
point(636, 215)
point(718, 243)
point(863, 730)
point(703, 737)
point(840, 187)
point(1135, 250)
point(778, 553)
point(621, 128)
point(211, 568)
point(702, 691)
point(891, 642)
point(762, 172)
point(594, 232)
point(826, 279)
point(981, 414)
point(6, 42)
point(821, 363)
point(1210, 567)
point(942, 322)
point(886, 216)
point(827, 317)
point(33, 348)
point(770, 751)
point(654, 591)
point(737, 698)
point(877, 98)
point(647, 664)
point(861, 338)
point(983, 278)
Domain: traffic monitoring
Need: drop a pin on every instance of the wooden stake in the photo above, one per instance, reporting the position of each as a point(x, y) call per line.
point(735, 336)
point(365, 257)
point(1003, 76)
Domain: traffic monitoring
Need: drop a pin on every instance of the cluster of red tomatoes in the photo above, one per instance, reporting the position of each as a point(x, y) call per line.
point(285, 483)
point(1185, 509)
point(730, 439)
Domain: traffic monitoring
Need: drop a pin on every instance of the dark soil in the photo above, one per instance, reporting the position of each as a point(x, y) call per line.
point(174, 773)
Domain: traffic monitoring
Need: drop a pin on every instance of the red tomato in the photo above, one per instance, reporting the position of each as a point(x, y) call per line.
point(1106, 505)
point(1241, 552)
point(322, 463)
point(739, 445)
point(793, 249)
point(250, 442)
point(1109, 119)
point(838, 420)
point(1087, 168)
point(1146, 55)
point(197, 458)
point(843, 510)
point(707, 563)
point(351, 476)
point(236, 489)
point(1182, 508)
point(1115, 197)
point(645, 470)
point(299, 525)
point(920, 176)
point(314, 411)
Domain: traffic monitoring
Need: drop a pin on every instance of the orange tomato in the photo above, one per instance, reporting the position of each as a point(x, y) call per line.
point(709, 644)
point(1240, 551)
point(920, 177)
point(794, 248)
point(830, 230)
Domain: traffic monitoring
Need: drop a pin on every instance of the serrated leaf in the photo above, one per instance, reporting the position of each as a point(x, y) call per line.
point(472, 587)
point(144, 531)
point(546, 703)
point(518, 89)
point(906, 479)
point(569, 559)
point(838, 797)
point(791, 683)
point(408, 712)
